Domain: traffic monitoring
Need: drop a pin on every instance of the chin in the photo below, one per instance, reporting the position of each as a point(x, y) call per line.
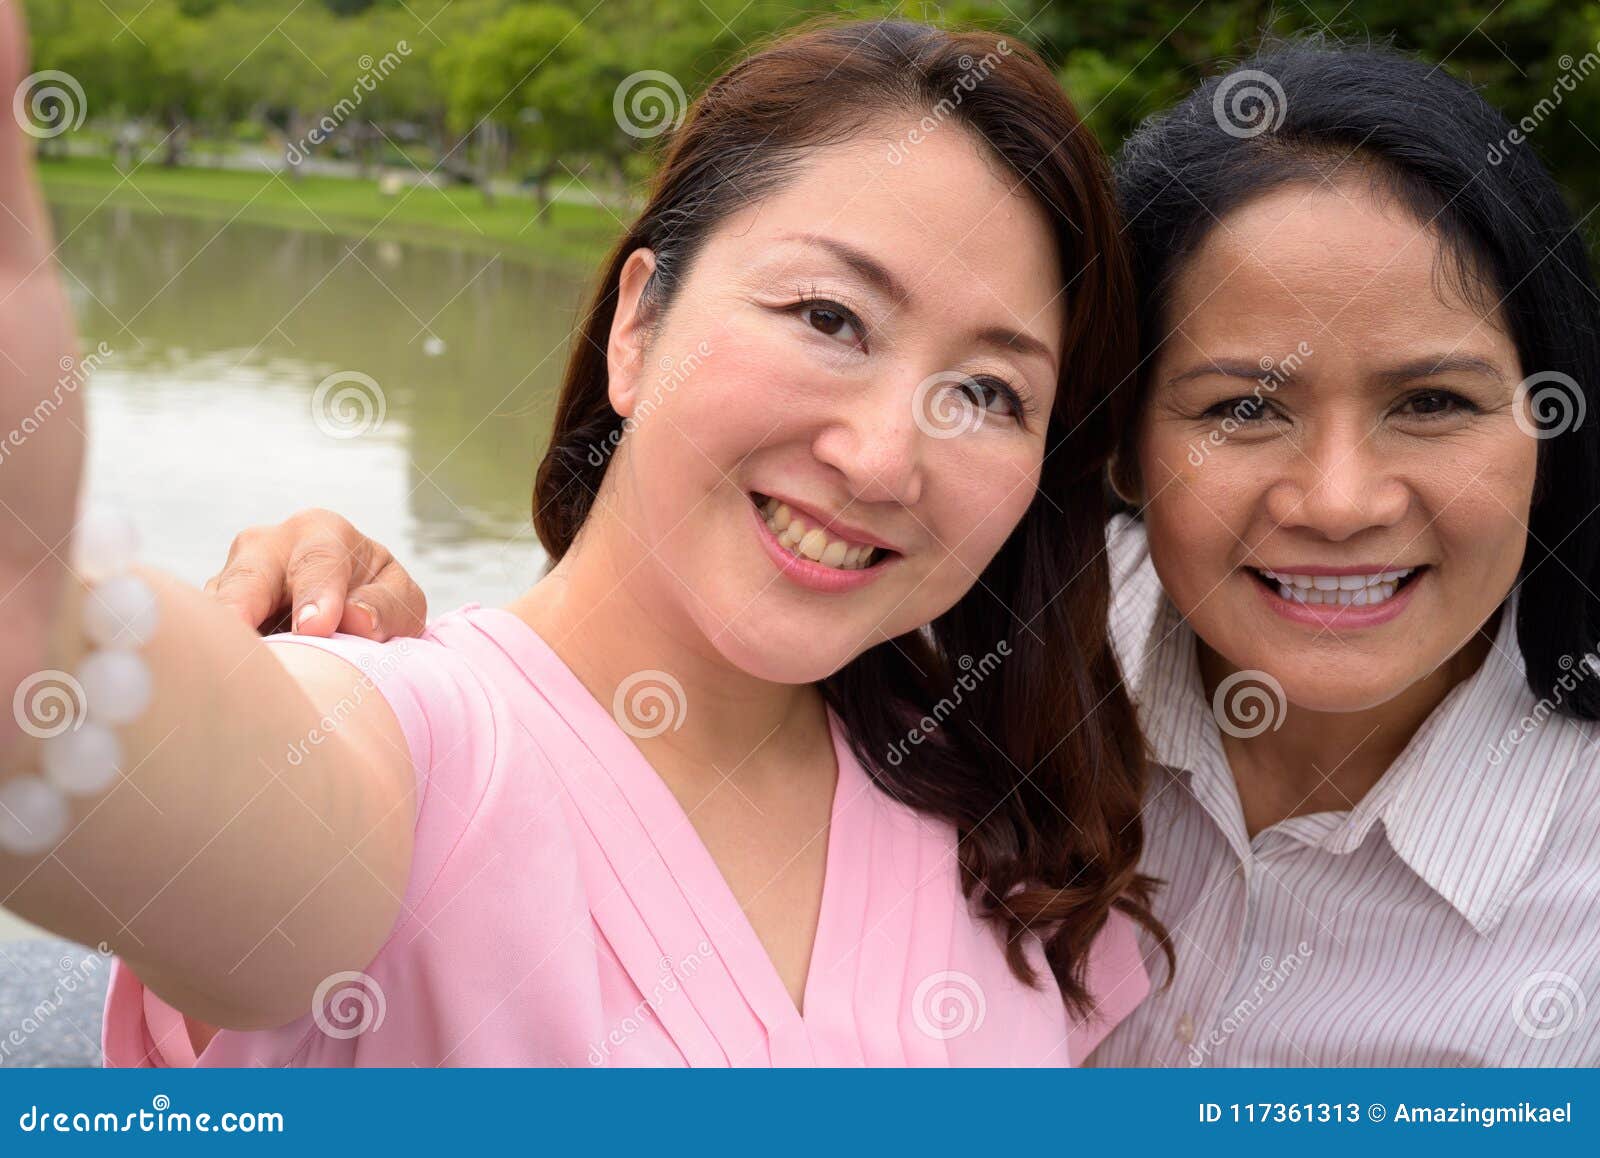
point(778, 649)
point(769, 659)
point(1339, 694)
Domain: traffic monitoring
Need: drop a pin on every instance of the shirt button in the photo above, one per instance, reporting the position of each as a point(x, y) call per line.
point(1185, 1029)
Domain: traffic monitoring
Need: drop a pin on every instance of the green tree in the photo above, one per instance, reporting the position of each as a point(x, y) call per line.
point(514, 85)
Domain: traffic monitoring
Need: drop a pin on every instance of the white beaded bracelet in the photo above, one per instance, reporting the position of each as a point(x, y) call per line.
point(74, 714)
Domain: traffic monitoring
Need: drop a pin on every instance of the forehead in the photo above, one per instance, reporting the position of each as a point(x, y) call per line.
point(952, 220)
point(1353, 274)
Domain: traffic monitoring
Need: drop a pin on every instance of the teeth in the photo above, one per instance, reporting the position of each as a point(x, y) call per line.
point(1339, 582)
point(1337, 589)
point(813, 542)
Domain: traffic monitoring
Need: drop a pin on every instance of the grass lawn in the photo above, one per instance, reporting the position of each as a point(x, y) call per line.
point(456, 216)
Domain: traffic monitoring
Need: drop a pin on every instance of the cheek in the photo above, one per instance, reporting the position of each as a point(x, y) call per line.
point(977, 494)
point(753, 378)
point(710, 394)
point(1181, 473)
point(1197, 498)
point(1478, 497)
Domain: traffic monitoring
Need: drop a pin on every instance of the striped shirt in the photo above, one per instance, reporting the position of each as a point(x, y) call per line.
point(1450, 918)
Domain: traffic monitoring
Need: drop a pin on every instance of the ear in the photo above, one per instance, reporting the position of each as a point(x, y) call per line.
point(1124, 480)
point(630, 332)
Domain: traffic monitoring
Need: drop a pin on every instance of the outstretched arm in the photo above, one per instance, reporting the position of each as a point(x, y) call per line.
point(233, 864)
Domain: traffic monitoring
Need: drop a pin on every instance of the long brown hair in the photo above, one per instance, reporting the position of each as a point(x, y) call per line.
point(1041, 767)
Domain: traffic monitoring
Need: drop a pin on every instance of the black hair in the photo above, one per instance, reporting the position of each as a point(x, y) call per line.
point(1298, 110)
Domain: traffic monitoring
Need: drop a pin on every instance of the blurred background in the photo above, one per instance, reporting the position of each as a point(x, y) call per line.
point(329, 252)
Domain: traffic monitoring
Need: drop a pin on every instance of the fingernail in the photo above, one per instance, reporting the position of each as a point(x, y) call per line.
point(306, 612)
point(372, 612)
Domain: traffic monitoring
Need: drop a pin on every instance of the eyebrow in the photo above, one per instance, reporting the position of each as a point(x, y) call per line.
point(874, 272)
point(1424, 367)
point(1229, 368)
point(865, 266)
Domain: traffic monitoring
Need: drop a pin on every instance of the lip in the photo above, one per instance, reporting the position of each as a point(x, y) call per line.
point(1337, 616)
point(812, 575)
point(1359, 569)
point(836, 528)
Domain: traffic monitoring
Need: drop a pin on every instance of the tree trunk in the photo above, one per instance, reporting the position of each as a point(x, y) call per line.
point(541, 194)
point(177, 132)
point(366, 142)
point(485, 163)
point(293, 149)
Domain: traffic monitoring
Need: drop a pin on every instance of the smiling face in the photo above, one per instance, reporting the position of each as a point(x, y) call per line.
point(1338, 487)
point(841, 416)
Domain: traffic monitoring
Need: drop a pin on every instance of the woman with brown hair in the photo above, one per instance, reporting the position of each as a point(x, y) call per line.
point(701, 795)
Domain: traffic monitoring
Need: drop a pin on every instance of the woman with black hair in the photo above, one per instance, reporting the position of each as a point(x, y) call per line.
point(1358, 596)
point(1356, 587)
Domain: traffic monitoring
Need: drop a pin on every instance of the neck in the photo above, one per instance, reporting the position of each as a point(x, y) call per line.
point(1328, 761)
point(598, 612)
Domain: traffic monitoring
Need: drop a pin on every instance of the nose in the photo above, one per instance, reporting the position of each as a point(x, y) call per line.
point(1337, 485)
point(874, 441)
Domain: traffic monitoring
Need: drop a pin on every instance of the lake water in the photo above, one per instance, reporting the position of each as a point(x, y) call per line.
point(206, 416)
point(441, 371)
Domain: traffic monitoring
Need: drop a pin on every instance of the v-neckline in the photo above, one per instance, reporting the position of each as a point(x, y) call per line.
point(683, 850)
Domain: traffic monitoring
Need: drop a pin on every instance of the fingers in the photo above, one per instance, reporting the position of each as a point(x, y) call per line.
point(292, 576)
point(316, 574)
point(389, 606)
point(251, 582)
point(322, 566)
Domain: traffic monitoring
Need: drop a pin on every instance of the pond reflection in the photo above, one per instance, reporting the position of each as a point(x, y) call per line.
point(441, 367)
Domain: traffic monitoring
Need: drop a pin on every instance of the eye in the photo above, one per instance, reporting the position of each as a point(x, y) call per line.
point(1435, 404)
point(984, 391)
point(831, 318)
point(1245, 408)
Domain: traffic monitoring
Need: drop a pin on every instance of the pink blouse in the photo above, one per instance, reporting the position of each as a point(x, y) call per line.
point(562, 910)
